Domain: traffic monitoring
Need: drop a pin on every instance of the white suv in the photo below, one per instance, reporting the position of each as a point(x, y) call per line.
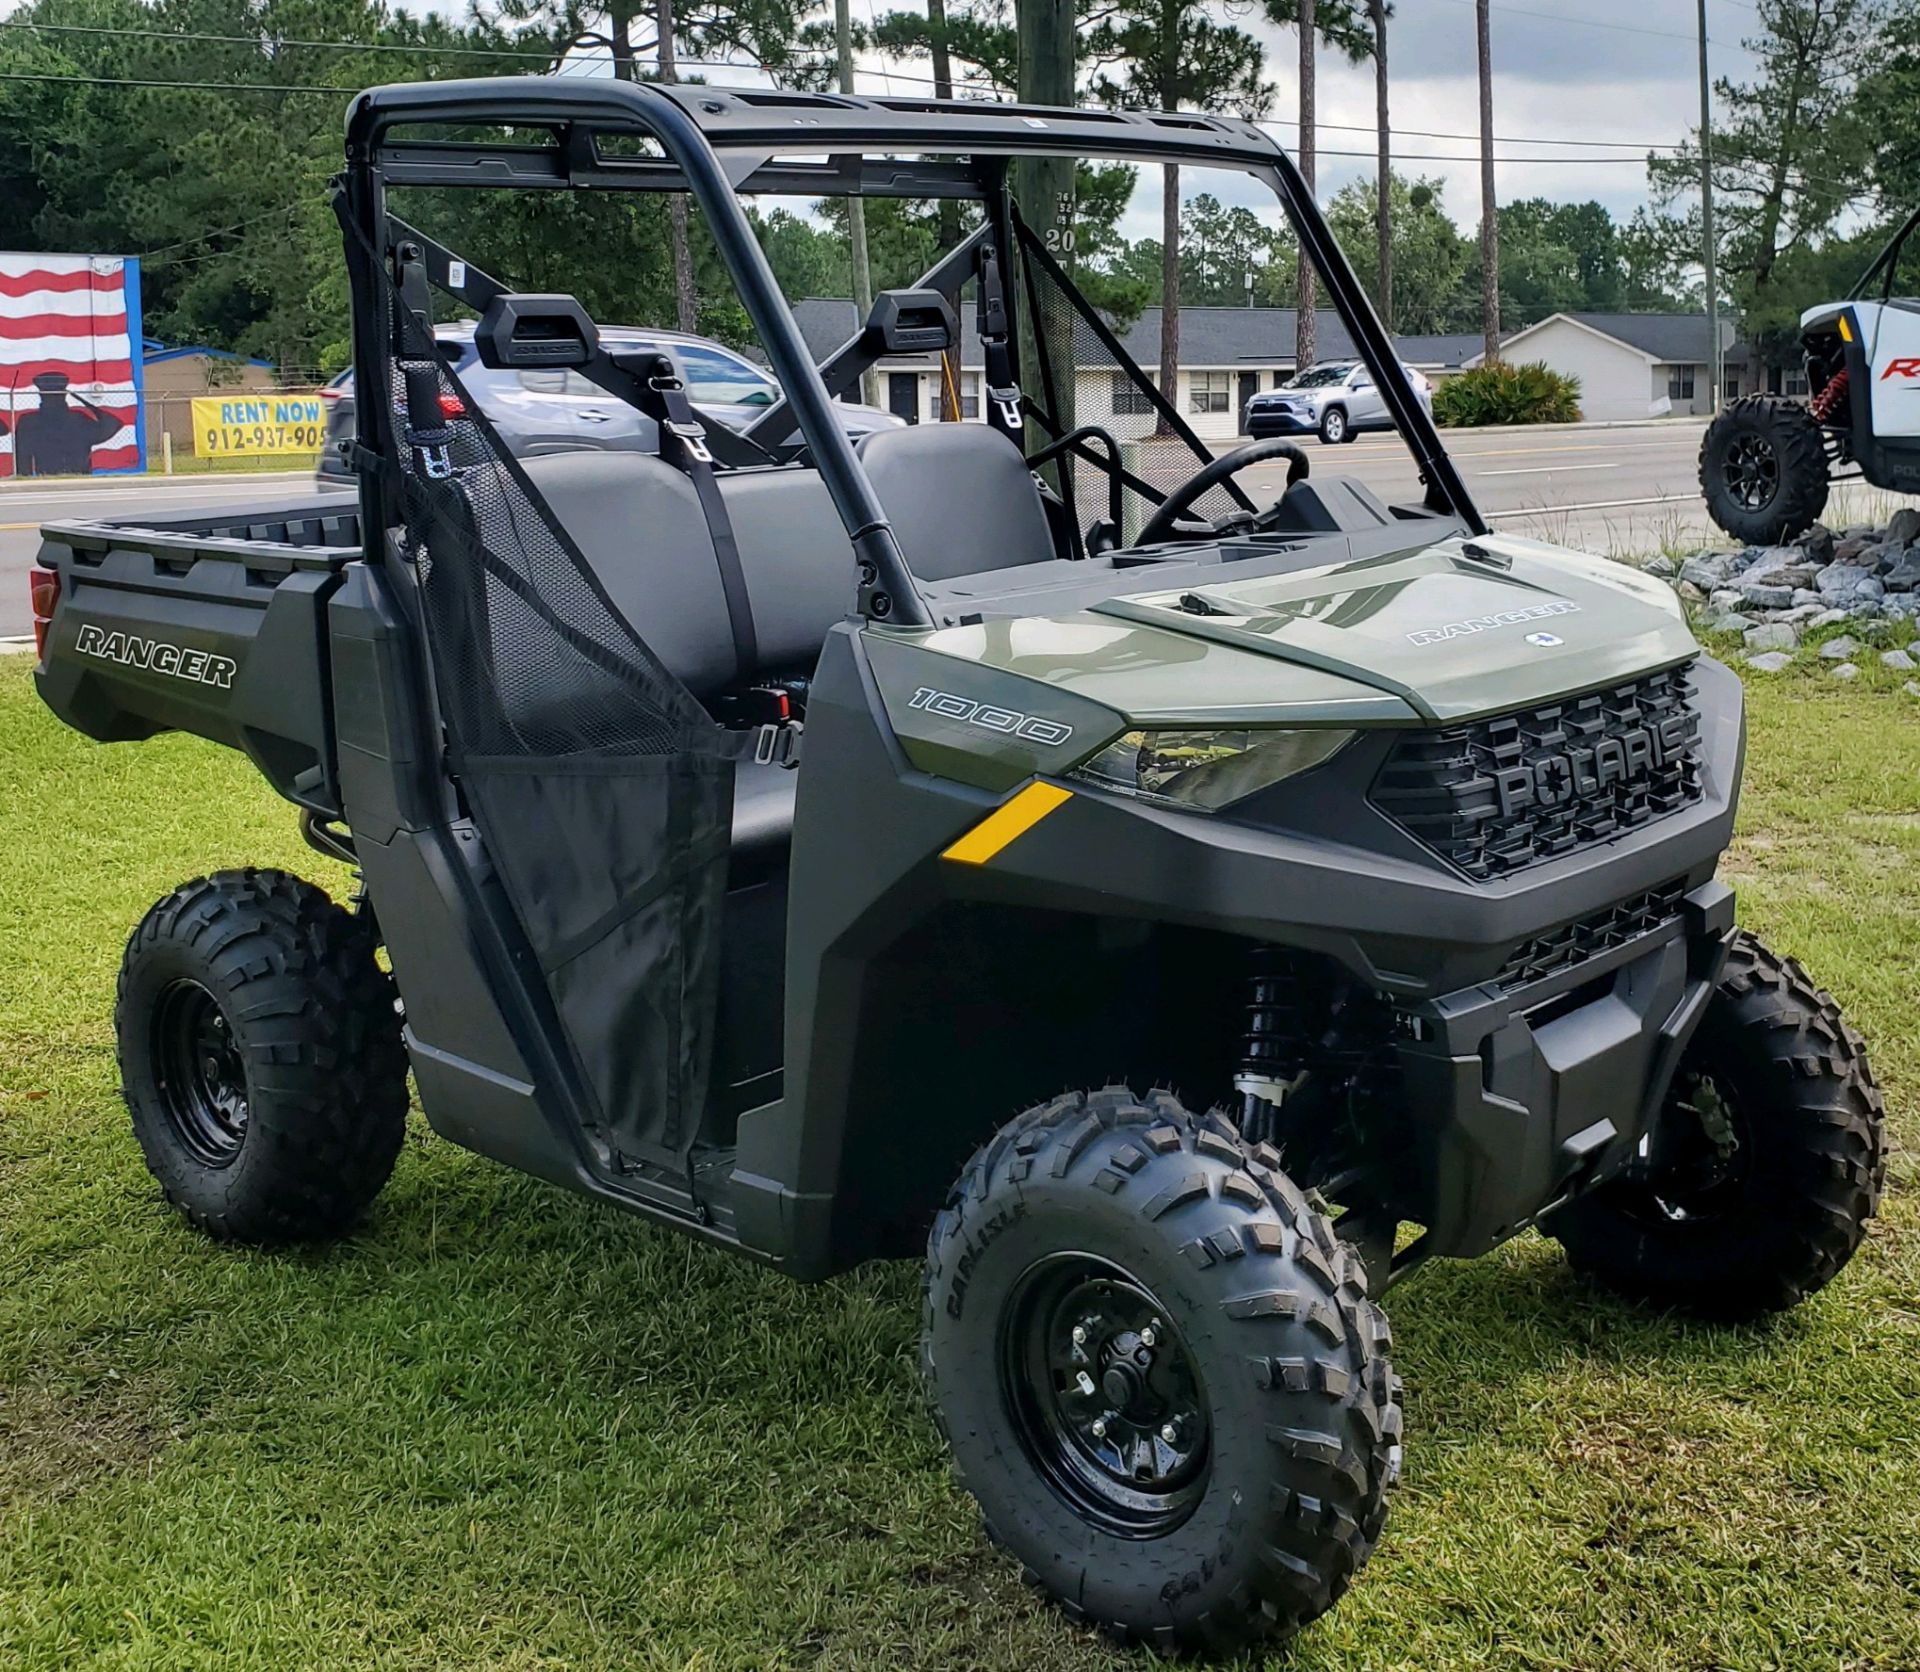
point(1335, 399)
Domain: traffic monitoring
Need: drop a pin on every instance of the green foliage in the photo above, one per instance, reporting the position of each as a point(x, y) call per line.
point(1432, 290)
point(1504, 394)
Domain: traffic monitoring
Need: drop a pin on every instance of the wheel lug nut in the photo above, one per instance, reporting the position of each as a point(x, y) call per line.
point(1169, 1433)
point(1099, 1428)
point(1147, 1337)
point(1084, 1382)
point(1079, 1335)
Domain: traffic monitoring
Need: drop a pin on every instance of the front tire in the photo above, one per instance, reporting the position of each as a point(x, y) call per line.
point(1770, 1162)
point(1333, 426)
point(1159, 1372)
point(1763, 469)
point(261, 1057)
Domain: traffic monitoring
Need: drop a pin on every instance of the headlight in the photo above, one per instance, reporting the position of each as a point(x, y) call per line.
point(1206, 770)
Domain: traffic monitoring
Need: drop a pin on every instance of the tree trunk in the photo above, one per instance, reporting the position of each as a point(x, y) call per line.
point(948, 212)
point(1489, 208)
point(1305, 349)
point(1170, 292)
point(856, 208)
point(686, 301)
point(1383, 211)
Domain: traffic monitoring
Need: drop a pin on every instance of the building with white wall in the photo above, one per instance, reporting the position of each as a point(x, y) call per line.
point(1629, 365)
point(1227, 355)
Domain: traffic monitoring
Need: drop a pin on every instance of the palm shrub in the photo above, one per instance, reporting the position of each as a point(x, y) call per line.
point(1504, 394)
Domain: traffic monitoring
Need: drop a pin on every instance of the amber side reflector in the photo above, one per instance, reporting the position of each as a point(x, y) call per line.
point(1006, 822)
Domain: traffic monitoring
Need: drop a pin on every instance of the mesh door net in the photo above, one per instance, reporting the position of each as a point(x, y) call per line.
point(603, 791)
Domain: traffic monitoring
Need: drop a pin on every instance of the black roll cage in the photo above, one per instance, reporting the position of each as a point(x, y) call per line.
point(716, 143)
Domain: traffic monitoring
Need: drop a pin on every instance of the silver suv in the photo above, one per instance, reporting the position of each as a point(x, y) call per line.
point(559, 411)
point(1335, 399)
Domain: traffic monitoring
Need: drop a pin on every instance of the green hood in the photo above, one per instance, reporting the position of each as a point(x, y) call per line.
point(1452, 636)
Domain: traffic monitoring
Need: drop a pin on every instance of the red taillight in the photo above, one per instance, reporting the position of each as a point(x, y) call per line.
point(331, 395)
point(452, 406)
point(43, 586)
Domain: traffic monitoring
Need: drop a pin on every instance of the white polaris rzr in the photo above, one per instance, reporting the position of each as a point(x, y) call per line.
point(1767, 460)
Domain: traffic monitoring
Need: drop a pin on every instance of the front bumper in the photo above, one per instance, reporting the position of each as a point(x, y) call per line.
point(1539, 1015)
point(1263, 422)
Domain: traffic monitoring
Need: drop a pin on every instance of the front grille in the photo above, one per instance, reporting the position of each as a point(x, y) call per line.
point(1575, 943)
point(1496, 796)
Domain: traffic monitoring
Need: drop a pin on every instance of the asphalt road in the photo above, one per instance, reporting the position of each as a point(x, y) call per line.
point(1612, 491)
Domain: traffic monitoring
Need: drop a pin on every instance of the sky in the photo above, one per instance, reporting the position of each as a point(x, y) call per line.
point(1564, 70)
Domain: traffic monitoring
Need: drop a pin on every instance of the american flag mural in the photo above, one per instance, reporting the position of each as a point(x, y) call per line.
point(70, 376)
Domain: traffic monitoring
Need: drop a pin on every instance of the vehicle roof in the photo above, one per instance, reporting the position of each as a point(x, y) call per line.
point(777, 122)
point(463, 329)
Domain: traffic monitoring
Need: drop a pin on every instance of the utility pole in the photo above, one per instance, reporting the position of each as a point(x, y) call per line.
point(1305, 349)
point(856, 209)
point(1489, 207)
point(1716, 357)
point(1043, 187)
point(1383, 209)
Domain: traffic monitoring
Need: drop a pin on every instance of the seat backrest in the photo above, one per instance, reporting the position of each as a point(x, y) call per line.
point(637, 521)
point(960, 498)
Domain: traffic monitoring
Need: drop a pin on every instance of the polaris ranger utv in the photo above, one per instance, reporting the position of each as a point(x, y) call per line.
point(752, 835)
point(1767, 462)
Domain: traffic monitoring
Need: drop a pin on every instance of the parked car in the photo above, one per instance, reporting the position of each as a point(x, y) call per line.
point(1336, 399)
point(556, 410)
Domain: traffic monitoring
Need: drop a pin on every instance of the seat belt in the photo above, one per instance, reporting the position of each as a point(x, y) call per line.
point(683, 444)
point(1003, 382)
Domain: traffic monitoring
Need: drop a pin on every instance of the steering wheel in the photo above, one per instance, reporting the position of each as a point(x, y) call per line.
point(1161, 525)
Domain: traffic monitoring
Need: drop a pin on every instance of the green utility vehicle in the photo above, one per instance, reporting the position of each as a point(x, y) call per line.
point(750, 831)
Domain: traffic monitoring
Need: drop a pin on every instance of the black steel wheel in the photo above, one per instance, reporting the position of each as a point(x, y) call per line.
point(1159, 1372)
point(1766, 1163)
point(1105, 1395)
point(261, 1057)
point(199, 1077)
point(1763, 469)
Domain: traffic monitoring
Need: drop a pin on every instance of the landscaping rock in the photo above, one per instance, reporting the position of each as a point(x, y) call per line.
point(1661, 568)
point(1838, 650)
point(1846, 670)
point(1904, 574)
point(1806, 595)
point(1898, 660)
point(1707, 569)
point(1903, 527)
point(1911, 688)
point(1773, 635)
point(1731, 622)
point(1782, 573)
point(1817, 542)
point(1722, 598)
point(1772, 662)
point(1826, 618)
point(1689, 593)
point(1766, 597)
point(1850, 549)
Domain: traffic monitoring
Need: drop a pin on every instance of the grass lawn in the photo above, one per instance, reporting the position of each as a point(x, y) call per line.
point(503, 1428)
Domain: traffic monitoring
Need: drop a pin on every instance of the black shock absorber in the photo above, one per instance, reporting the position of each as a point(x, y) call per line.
point(1271, 1066)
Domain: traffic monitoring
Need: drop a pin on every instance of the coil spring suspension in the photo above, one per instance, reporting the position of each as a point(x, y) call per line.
point(1827, 402)
point(1270, 1065)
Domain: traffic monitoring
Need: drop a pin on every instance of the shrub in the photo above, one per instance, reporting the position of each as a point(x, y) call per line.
point(1504, 394)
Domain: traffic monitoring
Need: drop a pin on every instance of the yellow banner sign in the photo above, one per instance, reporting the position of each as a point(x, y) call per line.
point(237, 426)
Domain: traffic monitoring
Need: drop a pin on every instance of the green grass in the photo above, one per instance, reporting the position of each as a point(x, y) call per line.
point(504, 1428)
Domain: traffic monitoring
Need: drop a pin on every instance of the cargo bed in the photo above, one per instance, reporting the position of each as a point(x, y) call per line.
point(211, 622)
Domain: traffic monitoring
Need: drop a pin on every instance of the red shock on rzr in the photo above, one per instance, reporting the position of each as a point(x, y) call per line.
point(1823, 405)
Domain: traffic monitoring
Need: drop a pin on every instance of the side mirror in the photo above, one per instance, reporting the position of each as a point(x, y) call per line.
point(527, 332)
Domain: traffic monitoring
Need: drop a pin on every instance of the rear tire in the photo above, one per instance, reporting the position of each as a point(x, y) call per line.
point(1766, 1184)
point(1159, 1372)
point(261, 1057)
point(1763, 469)
point(1334, 428)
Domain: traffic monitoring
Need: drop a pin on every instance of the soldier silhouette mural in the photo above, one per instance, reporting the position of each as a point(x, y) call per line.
point(58, 437)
